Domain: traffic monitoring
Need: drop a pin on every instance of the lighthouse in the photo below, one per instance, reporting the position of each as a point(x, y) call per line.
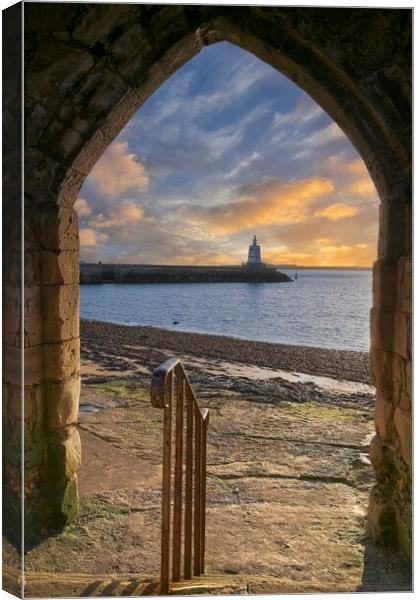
point(254, 257)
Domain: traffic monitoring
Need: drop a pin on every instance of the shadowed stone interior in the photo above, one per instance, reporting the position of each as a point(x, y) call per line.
point(88, 69)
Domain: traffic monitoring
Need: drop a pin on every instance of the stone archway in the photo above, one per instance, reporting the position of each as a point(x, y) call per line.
point(88, 69)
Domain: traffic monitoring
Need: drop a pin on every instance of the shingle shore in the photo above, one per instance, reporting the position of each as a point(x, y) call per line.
point(339, 364)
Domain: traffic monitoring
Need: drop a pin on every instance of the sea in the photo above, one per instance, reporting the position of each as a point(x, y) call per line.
point(321, 308)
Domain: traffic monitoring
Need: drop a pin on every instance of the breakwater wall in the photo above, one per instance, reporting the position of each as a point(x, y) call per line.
point(119, 273)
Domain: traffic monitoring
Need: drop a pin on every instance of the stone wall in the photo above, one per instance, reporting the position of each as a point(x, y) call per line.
point(12, 423)
point(391, 365)
point(88, 69)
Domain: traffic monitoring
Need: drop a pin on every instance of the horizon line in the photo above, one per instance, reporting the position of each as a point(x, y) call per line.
point(269, 265)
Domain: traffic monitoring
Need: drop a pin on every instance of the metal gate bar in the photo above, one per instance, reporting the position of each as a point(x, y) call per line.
point(172, 392)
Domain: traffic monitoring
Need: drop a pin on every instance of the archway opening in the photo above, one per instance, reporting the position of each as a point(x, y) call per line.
point(225, 148)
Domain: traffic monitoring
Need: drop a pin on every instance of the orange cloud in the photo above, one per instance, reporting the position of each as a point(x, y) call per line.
point(127, 212)
point(362, 255)
point(118, 171)
point(361, 184)
point(90, 238)
point(203, 259)
point(330, 256)
point(336, 212)
point(263, 204)
point(82, 207)
point(335, 249)
point(286, 257)
point(322, 241)
point(357, 167)
point(362, 187)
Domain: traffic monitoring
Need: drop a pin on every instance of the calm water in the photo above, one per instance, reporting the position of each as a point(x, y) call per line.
point(329, 309)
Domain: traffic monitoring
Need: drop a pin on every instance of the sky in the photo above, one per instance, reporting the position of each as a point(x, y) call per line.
point(225, 149)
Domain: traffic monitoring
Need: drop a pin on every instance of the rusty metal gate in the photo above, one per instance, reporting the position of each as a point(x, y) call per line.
point(184, 478)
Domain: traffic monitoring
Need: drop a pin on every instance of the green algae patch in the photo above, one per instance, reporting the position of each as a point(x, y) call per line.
point(321, 412)
point(124, 388)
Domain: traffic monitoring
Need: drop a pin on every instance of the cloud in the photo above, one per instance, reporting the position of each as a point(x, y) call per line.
point(322, 241)
point(354, 174)
point(329, 255)
point(204, 258)
point(321, 137)
point(362, 187)
point(287, 257)
point(90, 238)
point(243, 165)
point(336, 212)
point(82, 207)
point(119, 171)
point(262, 203)
point(120, 216)
point(225, 145)
point(335, 249)
point(304, 111)
point(230, 81)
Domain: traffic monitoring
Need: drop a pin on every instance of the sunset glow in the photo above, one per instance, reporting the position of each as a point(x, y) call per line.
point(226, 148)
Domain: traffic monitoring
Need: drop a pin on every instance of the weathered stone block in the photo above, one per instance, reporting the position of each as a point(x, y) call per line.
point(61, 361)
point(405, 285)
point(12, 315)
point(382, 524)
point(99, 22)
point(41, 176)
point(62, 402)
point(408, 376)
point(13, 364)
point(168, 25)
point(403, 424)
point(409, 332)
point(39, 120)
point(61, 312)
point(32, 267)
point(68, 190)
point(392, 238)
point(107, 92)
point(389, 331)
point(59, 67)
point(12, 405)
point(64, 456)
point(12, 269)
point(68, 142)
point(33, 316)
point(131, 67)
point(120, 114)
point(382, 363)
point(384, 411)
point(60, 267)
point(33, 364)
point(382, 459)
point(385, 284)
point(34, 433)
point(404, 524)
point(90, 152)
point(58, 227)
point(405, 402)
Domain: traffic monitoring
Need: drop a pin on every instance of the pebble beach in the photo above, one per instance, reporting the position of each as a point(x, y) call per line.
point(139, 342)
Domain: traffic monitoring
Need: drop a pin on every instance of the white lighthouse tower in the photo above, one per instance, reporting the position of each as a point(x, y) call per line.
point(254, 257)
